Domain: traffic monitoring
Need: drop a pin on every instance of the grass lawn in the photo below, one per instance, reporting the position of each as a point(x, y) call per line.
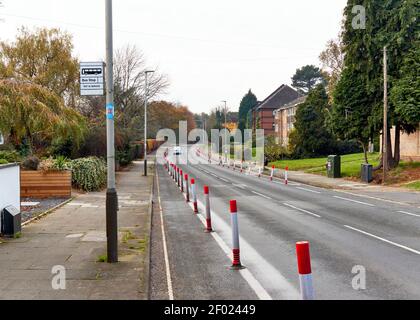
point(350, 164)
point(414, 185)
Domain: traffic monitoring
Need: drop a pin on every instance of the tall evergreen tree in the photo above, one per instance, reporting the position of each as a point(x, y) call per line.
point(391, 23)
point(312, 137)
point(248, 102)
point(307, 78)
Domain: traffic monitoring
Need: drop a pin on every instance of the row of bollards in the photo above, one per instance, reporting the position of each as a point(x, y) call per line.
point(187, 185)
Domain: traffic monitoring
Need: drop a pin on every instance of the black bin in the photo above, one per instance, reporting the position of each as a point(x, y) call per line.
point(367, 173)
point(11, 221)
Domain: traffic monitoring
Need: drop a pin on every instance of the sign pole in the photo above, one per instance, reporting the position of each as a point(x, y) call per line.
point(111, 194)
point(145, 125)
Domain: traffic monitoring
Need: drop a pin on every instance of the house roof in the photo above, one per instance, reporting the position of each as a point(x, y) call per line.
point(294, 103)
point(282, 96)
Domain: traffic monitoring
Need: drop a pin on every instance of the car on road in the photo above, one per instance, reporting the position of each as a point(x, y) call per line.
point(177, 151)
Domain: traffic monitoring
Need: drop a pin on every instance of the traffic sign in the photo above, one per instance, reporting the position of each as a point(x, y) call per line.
point(92, 78)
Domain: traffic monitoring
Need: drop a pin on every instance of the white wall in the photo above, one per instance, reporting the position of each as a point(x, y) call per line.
point(9, 186)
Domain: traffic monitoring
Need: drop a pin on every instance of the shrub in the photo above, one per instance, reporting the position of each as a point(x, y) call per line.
point(89, 174)
point(46, 165)
point(31, 163)
point(274, 151)
point(61, 163)
point(10, 156)
point(3, 161)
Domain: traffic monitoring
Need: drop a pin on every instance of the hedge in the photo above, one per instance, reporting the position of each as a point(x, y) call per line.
point(89, 174)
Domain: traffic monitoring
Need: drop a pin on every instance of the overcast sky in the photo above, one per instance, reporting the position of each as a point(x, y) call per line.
point(211, 50)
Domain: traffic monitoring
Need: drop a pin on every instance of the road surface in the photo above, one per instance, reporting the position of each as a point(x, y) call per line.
point(344, 231)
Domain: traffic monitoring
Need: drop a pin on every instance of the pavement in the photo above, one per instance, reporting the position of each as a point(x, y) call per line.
point(74, 237)
point(347, 232)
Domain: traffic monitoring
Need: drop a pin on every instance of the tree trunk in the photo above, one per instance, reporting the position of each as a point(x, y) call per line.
point(397, 151)
point(365, 151)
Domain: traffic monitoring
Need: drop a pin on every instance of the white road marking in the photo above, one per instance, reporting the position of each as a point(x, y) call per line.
point(261, 195)
point(351, 200)
point(374, 198)
point(384, 240)
point(410, 214)
point(224, 180)
point(302, 210)
point(290, 183)
point(240, 186)
point(165, 247)
point(309, 190)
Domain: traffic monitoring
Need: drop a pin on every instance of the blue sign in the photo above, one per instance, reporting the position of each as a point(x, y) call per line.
point(110, 111)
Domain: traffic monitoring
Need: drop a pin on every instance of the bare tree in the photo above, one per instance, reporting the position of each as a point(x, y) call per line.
point(129, 79)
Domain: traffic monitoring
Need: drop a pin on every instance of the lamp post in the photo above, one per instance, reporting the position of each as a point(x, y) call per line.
point(111, 194)
point(146, 96)
point(226, 143)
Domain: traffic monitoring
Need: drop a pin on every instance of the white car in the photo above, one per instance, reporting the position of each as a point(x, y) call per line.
point(177, 151)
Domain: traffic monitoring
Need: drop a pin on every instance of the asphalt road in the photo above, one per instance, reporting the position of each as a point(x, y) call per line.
point(344, 231)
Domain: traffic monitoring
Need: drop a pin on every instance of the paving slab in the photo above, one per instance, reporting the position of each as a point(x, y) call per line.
point(74, 236)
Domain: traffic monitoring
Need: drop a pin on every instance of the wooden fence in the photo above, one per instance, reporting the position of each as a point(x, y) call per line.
point(38, 184)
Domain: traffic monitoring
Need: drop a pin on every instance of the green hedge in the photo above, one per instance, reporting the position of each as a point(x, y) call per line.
point(89, 174)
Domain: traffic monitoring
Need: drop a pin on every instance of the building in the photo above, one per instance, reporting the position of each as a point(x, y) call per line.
point(409, 145)
point(285, 118)
point(263, 115)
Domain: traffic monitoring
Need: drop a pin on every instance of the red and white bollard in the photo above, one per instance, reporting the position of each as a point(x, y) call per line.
point(179, 177)
point(242, 166)
point(286, 176)
point(208, 211)
point(259, 172)
point(272, 173)
point(171, 172)
point(187, 188)
point(236, 261)
point(305, 270)
point(182, 180)
point(194, 195)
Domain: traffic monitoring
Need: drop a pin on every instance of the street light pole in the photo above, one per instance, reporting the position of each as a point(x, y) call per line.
point(227, 144)
point(146, 95)
point(111, 194)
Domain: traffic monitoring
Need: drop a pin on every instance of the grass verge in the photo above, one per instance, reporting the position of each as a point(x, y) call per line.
point(350, 164)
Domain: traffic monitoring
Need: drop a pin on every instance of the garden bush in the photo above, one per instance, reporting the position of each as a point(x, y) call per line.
point(3, 161)
point(10, 156)
point(60, 163)
point(31, 163)
point(89, 174)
